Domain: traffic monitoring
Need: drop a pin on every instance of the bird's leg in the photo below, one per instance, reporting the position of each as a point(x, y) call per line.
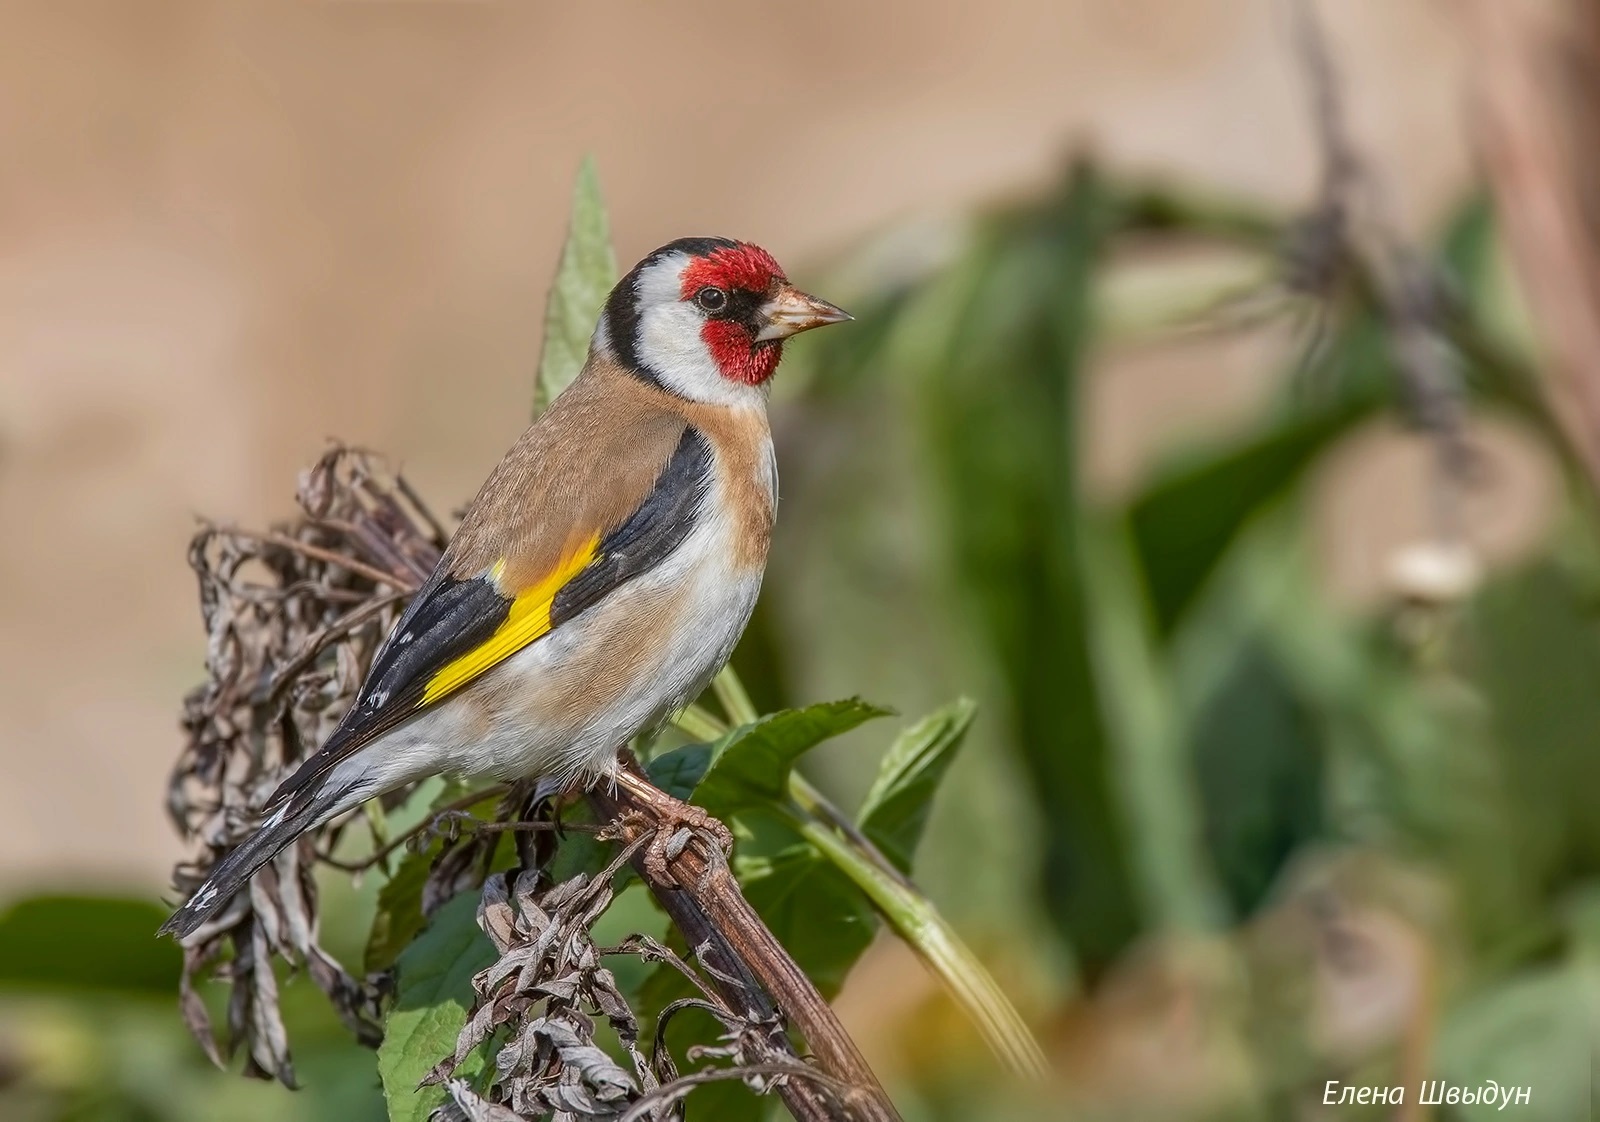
point(674, 820)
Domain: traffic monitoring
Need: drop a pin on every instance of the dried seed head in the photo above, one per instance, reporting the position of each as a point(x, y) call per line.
point(292, 620)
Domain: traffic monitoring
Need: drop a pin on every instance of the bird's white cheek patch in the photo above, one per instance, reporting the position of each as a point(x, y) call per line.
point(672, 348)
point(670, 340)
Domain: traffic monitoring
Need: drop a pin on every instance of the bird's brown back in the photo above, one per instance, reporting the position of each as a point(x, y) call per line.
point(577, 473)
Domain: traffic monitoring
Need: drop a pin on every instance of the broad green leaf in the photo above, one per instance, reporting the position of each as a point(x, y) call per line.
point(812, 908)
point(1534, 1030)
point(399, 915)
point(1402, 745)
point(587, 270)
point(822, 919)
point(679, 771)
point(750, 766)
point(1153, 779)
point(434, 991)
point(895, 811)
point(1162, 206)
point(1185, 520)
point(1258, 757)
point(999, 399)
point(1467, 251)
point(81, 943)
point(580, 853)
point(633, 911)
point(663, 985)
point(676, 772)
point(1538, 665)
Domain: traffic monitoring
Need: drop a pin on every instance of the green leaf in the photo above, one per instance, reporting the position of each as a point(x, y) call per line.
point(581, 853)
point(1538, 667)
point(434, 991)
point(83, 943)
point(675, 772)
point(822, 919)
point(585, 275)
point(1187, 518)
point(896, 808)
point(679, 771)
point(1258, 757)
point(819, 916)
point(1467, 250)
point(999, 399)
point(750, 766)
point(1154, 785)
point(399, 916)
point(1533, 1030)
point(663, 984)
point(741, 778)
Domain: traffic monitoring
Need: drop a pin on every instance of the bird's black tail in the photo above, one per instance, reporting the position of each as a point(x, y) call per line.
point(235, 870)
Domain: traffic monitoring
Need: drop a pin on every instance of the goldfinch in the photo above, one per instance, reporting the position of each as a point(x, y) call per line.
point(601, 576)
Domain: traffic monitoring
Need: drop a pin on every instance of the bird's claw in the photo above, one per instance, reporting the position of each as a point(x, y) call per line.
point(676, 828)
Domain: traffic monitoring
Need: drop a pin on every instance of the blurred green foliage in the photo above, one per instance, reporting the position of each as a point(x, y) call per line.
point(1314, 843)
point(1209, 748)
point(89, 1028)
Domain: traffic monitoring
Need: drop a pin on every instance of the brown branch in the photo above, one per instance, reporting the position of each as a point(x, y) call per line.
point(738, 987)
point(742, 958)
point(1537, 200)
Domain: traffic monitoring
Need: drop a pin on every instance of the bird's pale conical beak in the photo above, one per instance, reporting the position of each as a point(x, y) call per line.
point(792, 311)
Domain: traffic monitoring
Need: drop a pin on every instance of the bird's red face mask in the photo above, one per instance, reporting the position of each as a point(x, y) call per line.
point(750, 308)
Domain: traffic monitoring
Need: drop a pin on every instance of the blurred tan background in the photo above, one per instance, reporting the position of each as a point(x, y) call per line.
point(229, 232)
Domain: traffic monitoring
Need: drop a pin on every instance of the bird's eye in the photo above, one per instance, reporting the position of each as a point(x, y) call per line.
point(711, 299)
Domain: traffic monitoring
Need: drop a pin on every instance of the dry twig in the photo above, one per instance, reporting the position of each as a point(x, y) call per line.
point(1351, 238)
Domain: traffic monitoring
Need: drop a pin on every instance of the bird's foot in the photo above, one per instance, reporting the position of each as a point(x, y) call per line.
point(675, 826)
point(675, 823)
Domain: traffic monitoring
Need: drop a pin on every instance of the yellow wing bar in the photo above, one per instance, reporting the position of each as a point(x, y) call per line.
point(529, 619)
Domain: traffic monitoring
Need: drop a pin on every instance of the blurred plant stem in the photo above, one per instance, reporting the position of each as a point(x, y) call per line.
point(697, 722)
point(1142, 302)
point(1532, 173)
point(735, 699)
point(1177, 887)
point(916, 920)
point(903, 906)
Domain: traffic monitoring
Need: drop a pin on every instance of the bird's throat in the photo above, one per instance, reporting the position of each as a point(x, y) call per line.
point(737, 355)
